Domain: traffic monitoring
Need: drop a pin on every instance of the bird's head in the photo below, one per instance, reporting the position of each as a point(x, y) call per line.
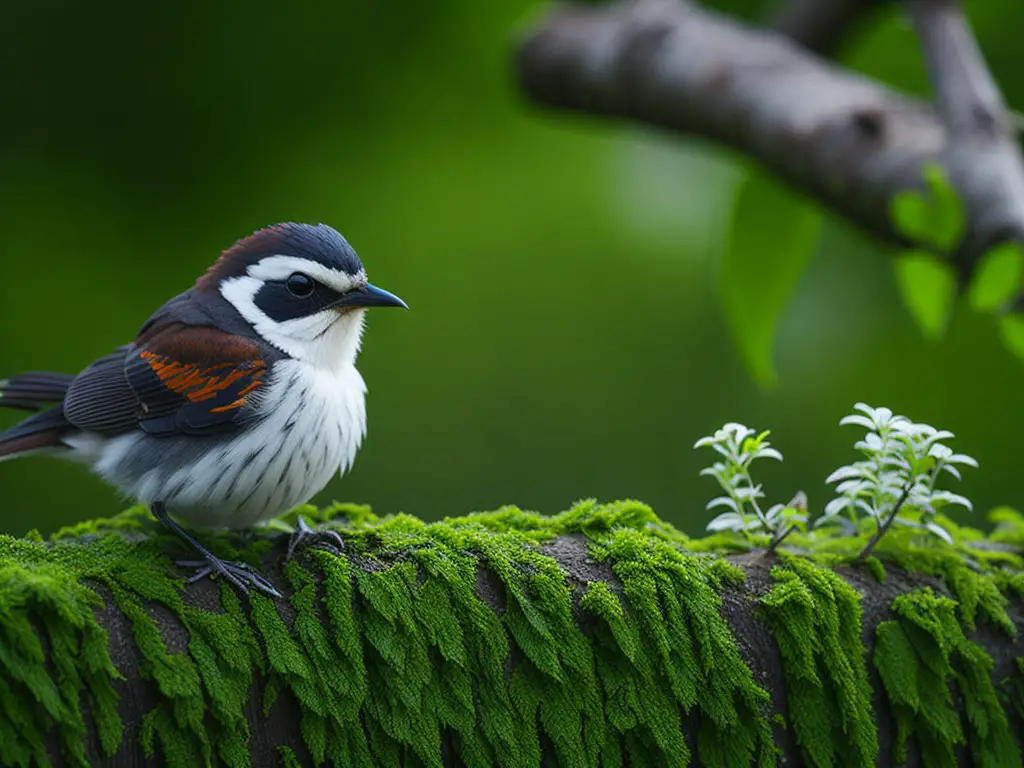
point(302, 288)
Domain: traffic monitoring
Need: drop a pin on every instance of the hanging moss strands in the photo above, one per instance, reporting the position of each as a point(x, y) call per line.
point(922, 657)
point(816, 618)
point(599, 637)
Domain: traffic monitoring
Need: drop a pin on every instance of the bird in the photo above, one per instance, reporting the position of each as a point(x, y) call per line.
point(238, 400)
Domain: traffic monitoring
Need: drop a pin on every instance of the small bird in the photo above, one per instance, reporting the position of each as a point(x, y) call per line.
point(238, 400)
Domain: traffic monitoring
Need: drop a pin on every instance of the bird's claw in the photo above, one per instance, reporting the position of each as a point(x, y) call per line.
point(241, 575)
point(303, 533)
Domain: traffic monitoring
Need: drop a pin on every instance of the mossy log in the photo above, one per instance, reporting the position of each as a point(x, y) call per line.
point(598, 637)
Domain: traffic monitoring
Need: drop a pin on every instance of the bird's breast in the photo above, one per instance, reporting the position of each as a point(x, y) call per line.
point(309, 409)
point(305, 428)
point(310, 424)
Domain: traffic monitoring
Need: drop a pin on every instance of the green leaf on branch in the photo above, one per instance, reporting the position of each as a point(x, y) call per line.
point(910, 214)
point(928, 288)
point(1012, 327)
point(771, 238)
point(997, 279)
point(935, 219)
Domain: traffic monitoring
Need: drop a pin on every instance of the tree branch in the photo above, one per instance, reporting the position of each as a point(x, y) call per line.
point(983, 157)
point(967, 97)
point(505, 639)
point(834, 135)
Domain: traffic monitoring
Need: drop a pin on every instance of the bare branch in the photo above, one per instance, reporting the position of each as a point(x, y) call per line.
point(983, 158)
point(836, 136)
point(967, 97)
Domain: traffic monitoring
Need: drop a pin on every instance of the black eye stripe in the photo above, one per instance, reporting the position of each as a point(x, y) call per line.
point(278, 302)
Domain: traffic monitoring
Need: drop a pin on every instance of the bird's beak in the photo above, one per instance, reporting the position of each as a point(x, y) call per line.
point(369, 296)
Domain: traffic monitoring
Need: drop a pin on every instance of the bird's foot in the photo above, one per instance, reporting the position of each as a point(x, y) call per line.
point(241, 575)
point(303, 533)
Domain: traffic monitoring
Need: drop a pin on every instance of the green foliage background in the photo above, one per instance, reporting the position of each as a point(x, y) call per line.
point(567, 336)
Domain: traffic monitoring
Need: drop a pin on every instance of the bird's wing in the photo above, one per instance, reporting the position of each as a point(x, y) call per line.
point(99, 399)
point(175, 379)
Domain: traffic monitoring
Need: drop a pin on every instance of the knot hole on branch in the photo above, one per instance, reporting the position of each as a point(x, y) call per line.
point(985, 121)
point(869, 122)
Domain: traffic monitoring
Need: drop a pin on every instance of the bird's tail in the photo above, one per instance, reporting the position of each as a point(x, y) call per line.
point(39, 432)
point(34, 391)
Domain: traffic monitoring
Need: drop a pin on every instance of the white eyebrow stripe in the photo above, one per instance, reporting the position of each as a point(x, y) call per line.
point(281, 267)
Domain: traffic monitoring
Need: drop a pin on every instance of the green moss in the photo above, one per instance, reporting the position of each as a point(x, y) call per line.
point(978, 594)
point(877, 568)
point(690, 647)
point(816, 619)
point(652, 672)
point(645, 713)
point(226, 652)
point(1009, 526)
point(391, 650)
point(722, 572)
point(1013, 690)
point(920, 657)
point(977, 574)
point(286, 757)
point(133, 520)
point(42, 606)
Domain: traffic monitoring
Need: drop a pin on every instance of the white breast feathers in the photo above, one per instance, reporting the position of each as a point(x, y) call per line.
point(308, 426)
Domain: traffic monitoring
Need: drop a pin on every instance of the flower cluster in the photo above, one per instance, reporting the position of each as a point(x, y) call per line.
point(739, 446)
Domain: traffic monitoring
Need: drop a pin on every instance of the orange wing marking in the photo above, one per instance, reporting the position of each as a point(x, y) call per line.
point(199, 384)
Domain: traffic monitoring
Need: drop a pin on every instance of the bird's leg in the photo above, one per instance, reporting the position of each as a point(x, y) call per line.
point(241, 575)
point(303, 533)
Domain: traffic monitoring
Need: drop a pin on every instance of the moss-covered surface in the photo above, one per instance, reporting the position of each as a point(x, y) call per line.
point(597, 637)
point(923, 656)
point(816, 619)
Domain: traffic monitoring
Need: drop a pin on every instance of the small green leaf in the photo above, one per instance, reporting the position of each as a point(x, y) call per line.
point(937, 218)
point(910, 214)
point(928, 288)
point(771, 239)
point(997, 278)
point(1012, 327)
point(950, 219)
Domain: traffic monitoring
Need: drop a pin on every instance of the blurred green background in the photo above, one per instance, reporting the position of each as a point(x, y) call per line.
point(566, 337)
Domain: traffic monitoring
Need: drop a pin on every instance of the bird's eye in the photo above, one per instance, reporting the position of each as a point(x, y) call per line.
point(299, 285)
